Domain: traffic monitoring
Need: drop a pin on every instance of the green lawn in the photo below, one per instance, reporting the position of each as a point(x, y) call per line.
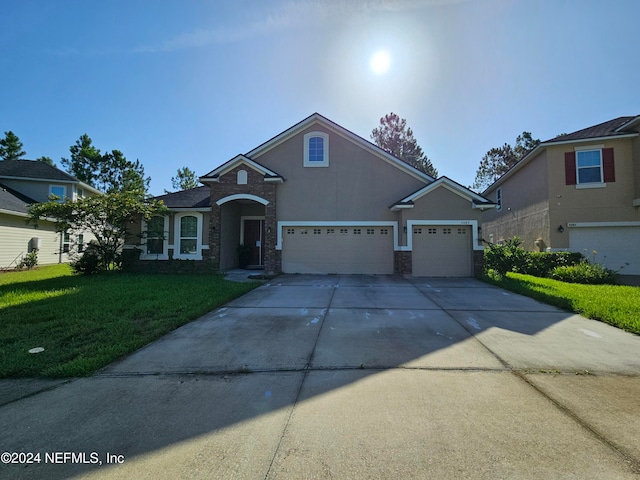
point(614, 304)
point(86, 322)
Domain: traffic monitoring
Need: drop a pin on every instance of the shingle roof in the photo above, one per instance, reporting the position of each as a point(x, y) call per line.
point(33, 169)
point(606, 129)
point(14, 201)
point(199, 197)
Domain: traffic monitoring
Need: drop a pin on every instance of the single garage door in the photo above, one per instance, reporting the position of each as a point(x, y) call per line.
point(615, 246)
point(442, 251)
point(364, 250)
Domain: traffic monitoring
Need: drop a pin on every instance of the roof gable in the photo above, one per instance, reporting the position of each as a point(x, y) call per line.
point(317, 119)
point(215, 174)
point(477, 201)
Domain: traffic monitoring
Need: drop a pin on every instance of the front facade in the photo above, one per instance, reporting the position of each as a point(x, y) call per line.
point(319, 199)
point(577, 192)
point(22, 183)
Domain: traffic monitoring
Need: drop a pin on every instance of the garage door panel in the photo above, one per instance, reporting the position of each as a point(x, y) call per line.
point(365, 250)
point(615, 246)
point(442, 251)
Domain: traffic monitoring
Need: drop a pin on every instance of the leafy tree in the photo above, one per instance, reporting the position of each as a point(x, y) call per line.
point(497, 161)
point(107, 217)
point(184, 179)
point(11, 147)
point(109, 172)
point(46, 160)
point(396, 138)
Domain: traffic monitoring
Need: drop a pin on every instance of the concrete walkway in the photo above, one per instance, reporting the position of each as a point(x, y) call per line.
point(349, 377)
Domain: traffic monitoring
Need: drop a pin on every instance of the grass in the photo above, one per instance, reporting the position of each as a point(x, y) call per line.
point(616, 305)
point(86, 322)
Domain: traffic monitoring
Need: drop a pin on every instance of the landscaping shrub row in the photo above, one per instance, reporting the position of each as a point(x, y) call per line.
point(564, 266)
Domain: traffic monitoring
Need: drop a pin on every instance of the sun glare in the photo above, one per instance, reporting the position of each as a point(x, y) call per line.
point(380, 62)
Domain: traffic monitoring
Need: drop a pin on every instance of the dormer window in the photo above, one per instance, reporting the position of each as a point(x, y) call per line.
point(316, 149)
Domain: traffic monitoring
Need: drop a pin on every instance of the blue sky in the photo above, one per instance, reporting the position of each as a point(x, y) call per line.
point(193, 83)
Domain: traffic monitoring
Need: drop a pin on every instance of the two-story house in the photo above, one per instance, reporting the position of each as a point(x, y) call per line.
point(22, 183)
point(317, 198)
point(577, 192)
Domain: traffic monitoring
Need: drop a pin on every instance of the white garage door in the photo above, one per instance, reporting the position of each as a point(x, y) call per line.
point(365, 250)
point(615, 246)
point(442, 251)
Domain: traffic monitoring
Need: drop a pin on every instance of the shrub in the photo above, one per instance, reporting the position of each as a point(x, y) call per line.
point(29, 261)
point(509, 257)
point(541, 264)
point(89, 262)
point(584, 272)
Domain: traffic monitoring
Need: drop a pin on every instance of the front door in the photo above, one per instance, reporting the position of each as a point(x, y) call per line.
point(253, 236)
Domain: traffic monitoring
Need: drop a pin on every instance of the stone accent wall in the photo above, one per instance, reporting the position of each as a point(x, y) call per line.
point(402, 263)
point(256, 185)
point(478, 263)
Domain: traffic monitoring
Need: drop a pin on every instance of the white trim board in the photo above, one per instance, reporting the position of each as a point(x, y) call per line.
point(602, 224)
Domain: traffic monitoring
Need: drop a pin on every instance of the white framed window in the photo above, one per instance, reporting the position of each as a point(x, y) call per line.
point(242, 177)
point(59, 191)
point(499, 199)
point(188, 236)
point(66, 242)
point(589, 166)
point(80, 242)
point(156, 233)
point(316, 149)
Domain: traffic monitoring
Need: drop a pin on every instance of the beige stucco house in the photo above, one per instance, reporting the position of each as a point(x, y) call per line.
point(319, 199)
point(578, 192)
point(22, 183)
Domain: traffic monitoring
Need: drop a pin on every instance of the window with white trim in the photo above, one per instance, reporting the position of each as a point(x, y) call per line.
point(241, 177)
point(589, 166)
point(155, 236)
point(66, 242)
point(188, 235)
point(316, 149)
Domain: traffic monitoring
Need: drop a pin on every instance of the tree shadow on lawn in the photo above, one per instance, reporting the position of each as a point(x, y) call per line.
point(252, 359)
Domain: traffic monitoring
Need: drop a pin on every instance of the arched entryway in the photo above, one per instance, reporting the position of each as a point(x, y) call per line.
point(242, 222)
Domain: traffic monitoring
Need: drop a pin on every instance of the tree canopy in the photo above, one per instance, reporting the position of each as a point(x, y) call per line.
point(185, 179)
point(108, 172)
point(396, 138)
point(497, 161)
point(11, 147)
point(107, 217)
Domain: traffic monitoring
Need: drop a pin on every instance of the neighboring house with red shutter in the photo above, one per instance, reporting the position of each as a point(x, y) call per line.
point(577, 192)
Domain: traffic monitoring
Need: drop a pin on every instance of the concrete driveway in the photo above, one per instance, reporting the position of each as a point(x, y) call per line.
point(348, 377)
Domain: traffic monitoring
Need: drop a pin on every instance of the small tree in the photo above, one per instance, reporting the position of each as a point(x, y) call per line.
point(185, 179)
point(497, 161)
point(396, 138)
point(11, 147)
point(107, 217)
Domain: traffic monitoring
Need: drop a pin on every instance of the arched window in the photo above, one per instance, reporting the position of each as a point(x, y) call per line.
point(155, 236)
point(242, 177)
point(316, 149)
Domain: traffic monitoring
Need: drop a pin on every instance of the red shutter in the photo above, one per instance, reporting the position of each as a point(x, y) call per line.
point(608, 165)
point(570, 168)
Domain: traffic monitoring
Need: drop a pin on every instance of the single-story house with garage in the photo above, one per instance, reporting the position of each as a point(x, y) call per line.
point(317, 198)
point(579, 192)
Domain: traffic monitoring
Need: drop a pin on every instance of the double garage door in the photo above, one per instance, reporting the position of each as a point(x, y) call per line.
point(343, 249)
point(438, 251)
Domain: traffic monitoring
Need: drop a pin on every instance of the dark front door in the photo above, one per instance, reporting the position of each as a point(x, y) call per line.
point(253, 236)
